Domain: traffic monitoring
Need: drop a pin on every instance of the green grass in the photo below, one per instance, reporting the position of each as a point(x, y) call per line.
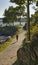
point(7, 43)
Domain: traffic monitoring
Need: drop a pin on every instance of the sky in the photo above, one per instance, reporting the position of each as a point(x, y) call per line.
point(6, 3)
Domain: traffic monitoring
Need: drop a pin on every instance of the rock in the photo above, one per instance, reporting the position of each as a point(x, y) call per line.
point(28, 54)
point(23, 55)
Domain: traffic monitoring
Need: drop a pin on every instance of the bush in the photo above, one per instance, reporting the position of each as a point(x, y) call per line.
point(8, 30)
point(34, 30)
point(35, 39)
point(24, 42)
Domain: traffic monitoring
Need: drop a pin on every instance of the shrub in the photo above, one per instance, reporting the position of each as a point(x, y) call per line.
point(35, 39)
point(24, 42)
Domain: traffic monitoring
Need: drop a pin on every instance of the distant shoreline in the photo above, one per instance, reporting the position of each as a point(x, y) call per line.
point(15, 23)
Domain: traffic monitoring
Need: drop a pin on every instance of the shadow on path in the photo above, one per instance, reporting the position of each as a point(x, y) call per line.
point(14, 42)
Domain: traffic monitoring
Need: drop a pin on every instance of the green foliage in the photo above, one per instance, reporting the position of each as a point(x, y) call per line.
point(8, 30)
point(20, 10)
point(24, 42)
point(28, 16)
point(20, 2)
point(13, 14)
point(34, 20)
point(34, 30)
point(35, 39)
point(10, 15)
point(34, 24)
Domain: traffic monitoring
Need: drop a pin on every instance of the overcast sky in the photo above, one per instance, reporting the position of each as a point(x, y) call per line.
point(6, 3)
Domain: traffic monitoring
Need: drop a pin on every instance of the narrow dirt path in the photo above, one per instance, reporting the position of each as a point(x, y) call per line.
point(9, 55)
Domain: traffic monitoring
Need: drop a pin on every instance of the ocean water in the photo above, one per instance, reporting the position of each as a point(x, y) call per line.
point(23, 23)
point(15, 23)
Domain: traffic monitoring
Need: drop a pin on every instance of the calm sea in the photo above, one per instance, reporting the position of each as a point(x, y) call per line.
point(15, 23)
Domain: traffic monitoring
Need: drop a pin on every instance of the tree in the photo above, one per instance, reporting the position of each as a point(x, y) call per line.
point(10, 15)
point(28, 15)
point(34, 19)
point(20, 11)
point(21, 3)
point(37, 3)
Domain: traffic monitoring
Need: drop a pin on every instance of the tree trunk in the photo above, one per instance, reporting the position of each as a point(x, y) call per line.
point(28, 20)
